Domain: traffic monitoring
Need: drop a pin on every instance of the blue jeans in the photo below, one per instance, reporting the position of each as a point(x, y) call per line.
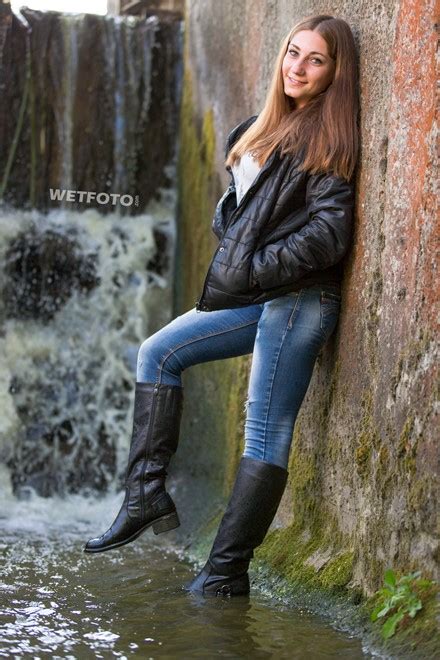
point(284, 335)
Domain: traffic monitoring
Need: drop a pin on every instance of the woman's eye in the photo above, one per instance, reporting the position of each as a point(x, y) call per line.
point(314, 59)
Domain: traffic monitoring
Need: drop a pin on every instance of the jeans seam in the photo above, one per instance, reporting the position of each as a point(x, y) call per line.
point(271, 390)
point(213, 334)
point(289, 322)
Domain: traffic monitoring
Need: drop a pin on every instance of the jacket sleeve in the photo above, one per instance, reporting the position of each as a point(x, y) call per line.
point(233, 136)
point(320, 243)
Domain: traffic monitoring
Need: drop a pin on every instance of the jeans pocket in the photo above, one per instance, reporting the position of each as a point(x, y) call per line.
point(330, 305)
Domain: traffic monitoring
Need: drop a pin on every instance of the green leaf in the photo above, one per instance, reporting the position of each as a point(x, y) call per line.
point(389, 627)
point(414, 608)
point(375, 612)
point(380, 611)
point(406, 579)
point(384, 610)
point(390, 577)
point(396, 599)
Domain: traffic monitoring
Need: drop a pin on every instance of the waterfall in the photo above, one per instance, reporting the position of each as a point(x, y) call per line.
point(102, 98)
point(85, 277)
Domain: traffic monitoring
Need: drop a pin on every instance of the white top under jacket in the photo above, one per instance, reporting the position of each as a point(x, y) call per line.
point(244, 170)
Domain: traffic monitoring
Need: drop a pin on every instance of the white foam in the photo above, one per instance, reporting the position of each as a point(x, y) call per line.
point(74, 372)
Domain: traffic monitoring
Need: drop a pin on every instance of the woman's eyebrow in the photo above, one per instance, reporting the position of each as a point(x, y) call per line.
point(312, 52)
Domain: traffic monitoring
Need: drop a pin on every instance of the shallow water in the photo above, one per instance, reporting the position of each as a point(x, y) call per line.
point(58, 602)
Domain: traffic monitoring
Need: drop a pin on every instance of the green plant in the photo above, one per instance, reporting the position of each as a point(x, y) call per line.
point(400, 597)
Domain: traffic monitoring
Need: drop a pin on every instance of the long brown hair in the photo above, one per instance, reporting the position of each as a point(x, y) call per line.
point(325, 130)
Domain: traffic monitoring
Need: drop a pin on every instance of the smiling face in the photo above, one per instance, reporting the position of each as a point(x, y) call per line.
point(307, 67)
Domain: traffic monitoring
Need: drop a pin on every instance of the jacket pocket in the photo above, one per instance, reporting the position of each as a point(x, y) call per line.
point(230, 267)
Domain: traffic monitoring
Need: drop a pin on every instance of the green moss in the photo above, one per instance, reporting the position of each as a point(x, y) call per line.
point(407, 446)
point(404, 440)
point(333, 446)
point(368, 439)
point(286, 551)
point(419, 495)
point(308, 556)
point(337, 573)
point(304, 483)
point(384, 457)
point(197, 195)
point(421, 635)
point(363, 454)
point(208, 139)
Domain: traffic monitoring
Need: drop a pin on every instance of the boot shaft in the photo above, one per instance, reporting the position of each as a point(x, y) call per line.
point(254, 501)
point(156, 422)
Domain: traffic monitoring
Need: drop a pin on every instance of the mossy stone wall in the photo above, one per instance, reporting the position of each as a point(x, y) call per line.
point(362, 491)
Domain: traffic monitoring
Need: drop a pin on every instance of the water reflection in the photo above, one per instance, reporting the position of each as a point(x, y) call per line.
point(59, 602)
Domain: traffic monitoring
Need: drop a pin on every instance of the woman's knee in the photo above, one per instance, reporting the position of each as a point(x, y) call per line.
point(150, 350)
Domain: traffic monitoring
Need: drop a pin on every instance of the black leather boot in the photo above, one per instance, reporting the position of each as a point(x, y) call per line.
point(156, 423)
point(253, 504)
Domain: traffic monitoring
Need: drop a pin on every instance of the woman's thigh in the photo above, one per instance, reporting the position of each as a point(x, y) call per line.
point(290, 334)
point(196, 337)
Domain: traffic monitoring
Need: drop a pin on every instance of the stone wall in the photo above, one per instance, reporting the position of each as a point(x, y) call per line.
point(361, 493)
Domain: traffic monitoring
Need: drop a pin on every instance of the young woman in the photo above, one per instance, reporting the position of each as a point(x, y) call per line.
point(273, 289)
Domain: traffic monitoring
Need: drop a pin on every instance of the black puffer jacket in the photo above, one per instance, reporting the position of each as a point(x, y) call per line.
point(290, 230)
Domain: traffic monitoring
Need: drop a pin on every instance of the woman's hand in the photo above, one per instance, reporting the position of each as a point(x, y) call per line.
point(321, 243)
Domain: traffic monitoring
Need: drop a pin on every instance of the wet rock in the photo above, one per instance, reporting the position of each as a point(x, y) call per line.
point(160, 262)
point(41, 273)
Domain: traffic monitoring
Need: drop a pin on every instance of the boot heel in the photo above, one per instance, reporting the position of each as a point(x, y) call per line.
point(166, 523)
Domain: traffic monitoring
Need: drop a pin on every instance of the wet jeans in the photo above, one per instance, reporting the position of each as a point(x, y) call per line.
point(284, 335)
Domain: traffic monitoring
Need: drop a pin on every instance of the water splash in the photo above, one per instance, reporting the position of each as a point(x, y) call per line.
point(67, 350)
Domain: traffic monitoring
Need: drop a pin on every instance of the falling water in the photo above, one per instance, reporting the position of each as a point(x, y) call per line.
point(70, 29)
point(77, 292)
point(101, 95)
point(76, 299)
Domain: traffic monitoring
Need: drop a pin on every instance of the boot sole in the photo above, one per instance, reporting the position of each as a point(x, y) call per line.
point(160, 525)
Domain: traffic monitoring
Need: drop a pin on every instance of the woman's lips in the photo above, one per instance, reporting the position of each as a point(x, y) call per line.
point(297, 83)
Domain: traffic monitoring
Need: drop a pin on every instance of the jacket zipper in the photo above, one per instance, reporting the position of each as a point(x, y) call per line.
point(200, 306)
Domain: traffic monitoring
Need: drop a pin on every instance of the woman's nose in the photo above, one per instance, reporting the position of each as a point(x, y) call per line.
point(298, 67)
